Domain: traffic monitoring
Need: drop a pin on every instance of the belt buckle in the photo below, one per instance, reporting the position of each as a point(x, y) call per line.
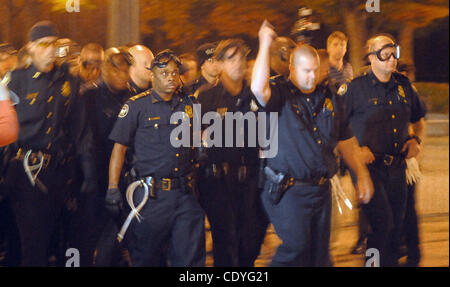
point(166, 184)
point(322, 180)
point(388, 159)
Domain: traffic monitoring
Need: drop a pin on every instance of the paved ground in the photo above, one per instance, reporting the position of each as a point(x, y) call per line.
point(432, 206)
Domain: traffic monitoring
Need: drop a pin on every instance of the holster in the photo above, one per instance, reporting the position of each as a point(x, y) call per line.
point(277, 184)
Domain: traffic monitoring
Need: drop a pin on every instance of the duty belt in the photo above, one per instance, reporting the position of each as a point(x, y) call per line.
point(389, 160)
point(308, 182)
point(166, 184)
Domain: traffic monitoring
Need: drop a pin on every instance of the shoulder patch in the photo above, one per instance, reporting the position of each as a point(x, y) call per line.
point(342, 90)
point(124, 111)
point(141, 95)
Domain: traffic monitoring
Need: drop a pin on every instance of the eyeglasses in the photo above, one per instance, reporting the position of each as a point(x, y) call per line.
point(91, 64)
point(163, 58)
point(386, 52)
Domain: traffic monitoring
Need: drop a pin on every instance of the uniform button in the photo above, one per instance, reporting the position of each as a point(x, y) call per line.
point(319, 142)
point(393, 116)
point(177, 138)
point(175, 123)
point(297, 111)
point(307, 99)
point(390, 102)
point(176, 169)
point(177, 155)
point(395, 130)
point(156, 126)
point(315, 114)
point(396, 144)
point(315, 129)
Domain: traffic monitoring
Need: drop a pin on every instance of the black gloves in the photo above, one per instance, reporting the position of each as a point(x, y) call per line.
point(113, 201)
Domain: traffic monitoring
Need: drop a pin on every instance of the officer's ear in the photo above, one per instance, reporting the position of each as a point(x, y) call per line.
point(30, 47)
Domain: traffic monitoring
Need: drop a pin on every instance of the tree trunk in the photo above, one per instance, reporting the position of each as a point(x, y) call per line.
point(355, 26)
point(406, 41)
point(123, 22)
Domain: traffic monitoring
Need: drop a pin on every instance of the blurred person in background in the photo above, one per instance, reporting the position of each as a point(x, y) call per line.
point(140, 74)
point(104, 102)
point(189, 68)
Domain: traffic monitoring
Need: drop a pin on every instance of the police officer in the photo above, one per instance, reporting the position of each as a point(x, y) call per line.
point(140, 80)
point(280, 52)
point(228, 186)
point(104, 101)
point(381, 106)
point(209, 69)
point(297, 191)
point(53, 131)
point(172, 213)
point(89, 62)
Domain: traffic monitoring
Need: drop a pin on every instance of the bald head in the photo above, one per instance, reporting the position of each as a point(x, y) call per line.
point(304, 68)
point(377, 42)
point(304, 51)
point(141, 53)
point(139, 72)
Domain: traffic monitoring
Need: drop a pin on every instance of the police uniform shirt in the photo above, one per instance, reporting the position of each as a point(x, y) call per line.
point(144, 122)
point(380, 113)
point(217, 99)
point(51, 116)
point(309, 128)
point(103, 106)
point(200, 81)
point(135, 90)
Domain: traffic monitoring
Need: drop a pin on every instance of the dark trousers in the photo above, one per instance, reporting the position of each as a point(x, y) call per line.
point(174, 217)
point(302, 221)
point(36, 212)
point(386, 210)
point(9, 234)
point(236, 216)
point(411, 227)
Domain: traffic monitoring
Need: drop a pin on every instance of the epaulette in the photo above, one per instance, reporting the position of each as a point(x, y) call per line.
point(141, 95)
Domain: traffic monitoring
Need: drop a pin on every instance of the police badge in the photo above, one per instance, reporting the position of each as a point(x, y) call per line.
point(124, 111)
point(188, 111)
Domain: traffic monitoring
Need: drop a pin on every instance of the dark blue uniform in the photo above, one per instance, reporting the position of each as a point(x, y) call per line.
point(174, 216)
point(309, 128)
point(91, 218)
point(228, 185)
point(52, 121)
point(380, 114)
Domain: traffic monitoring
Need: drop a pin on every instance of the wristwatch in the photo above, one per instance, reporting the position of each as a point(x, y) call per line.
point(418, 140)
